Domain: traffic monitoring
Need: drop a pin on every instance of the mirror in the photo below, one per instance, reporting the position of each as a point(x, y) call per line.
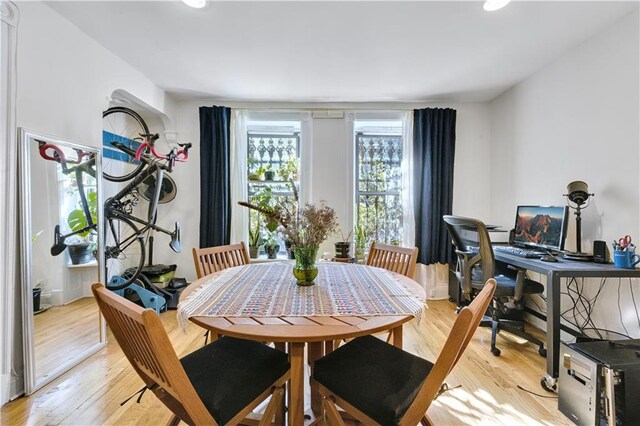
point(61, 208)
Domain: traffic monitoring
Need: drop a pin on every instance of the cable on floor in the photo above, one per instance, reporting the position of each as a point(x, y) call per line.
point(536, 394)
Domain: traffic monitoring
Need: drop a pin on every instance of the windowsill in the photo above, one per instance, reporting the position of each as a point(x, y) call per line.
point(269, 181)
point(84, 265)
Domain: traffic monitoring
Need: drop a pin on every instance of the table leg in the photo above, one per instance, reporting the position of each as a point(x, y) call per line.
point(296, 384)
point(553, 331)
point(397, 337)
point(314, 351)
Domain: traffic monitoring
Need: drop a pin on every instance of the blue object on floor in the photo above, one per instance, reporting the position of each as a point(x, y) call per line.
point(148, 298)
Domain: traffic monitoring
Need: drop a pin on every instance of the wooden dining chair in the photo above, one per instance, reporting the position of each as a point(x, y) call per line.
point(220, 383)
point(377, 383)
point(401, 260)
point(213, 259)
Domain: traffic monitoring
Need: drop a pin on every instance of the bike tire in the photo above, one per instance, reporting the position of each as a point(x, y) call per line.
point(123, 251)
point(127, 126)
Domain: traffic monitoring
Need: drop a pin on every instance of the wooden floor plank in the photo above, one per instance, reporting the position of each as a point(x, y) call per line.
point(90, 394)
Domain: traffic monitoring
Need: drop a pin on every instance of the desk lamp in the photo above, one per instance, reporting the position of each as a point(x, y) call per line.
point(577, 195)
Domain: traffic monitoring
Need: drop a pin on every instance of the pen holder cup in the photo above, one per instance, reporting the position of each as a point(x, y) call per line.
point(625, 259)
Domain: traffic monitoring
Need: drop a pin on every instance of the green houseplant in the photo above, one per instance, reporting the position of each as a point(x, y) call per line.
point(271, 246)
point(254, 241)
point(289, 169)
point(82, 246)
point(361, 238)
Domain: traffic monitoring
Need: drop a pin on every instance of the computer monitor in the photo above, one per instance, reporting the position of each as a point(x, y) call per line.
point(543, 227)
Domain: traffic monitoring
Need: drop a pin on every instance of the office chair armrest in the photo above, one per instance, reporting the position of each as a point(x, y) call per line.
point(465, 265)
point(519, 290)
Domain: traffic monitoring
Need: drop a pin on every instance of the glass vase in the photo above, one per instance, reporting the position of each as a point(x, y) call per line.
point(305, 269)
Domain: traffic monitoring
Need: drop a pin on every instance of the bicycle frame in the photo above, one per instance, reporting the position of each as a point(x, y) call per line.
point(154, 168)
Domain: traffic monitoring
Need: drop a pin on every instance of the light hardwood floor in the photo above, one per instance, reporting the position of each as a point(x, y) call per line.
point(90, 394)
point(62, 332)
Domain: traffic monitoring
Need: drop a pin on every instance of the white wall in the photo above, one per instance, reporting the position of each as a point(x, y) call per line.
point(577, 119)
point(332, 146)
point(65, 79)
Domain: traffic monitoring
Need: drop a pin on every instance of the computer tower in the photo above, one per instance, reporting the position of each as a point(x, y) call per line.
point(598, 382)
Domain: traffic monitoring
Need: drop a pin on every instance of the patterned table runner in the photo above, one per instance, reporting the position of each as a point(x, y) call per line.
point(269, 290)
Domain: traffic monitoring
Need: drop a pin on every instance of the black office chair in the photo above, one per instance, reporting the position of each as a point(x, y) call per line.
point(476, 264)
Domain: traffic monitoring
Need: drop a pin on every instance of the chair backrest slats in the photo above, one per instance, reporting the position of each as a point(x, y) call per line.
point(463, 329)
point(401, 260)
point(214, 259)
point(145, 343)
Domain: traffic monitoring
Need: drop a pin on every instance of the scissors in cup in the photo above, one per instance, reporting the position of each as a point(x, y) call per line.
point(625, 242)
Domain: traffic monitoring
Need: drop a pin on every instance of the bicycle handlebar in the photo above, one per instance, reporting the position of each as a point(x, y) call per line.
point(181, 155)
point(58, 155)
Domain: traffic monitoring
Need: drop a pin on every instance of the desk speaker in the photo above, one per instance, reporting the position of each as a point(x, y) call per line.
point(600, 252)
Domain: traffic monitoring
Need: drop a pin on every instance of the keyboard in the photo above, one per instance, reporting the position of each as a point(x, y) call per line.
point(517, 251)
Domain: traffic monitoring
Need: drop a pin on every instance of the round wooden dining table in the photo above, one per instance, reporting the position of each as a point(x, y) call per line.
point(317, 332)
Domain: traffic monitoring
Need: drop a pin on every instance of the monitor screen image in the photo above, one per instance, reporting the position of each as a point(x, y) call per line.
point(541, 226)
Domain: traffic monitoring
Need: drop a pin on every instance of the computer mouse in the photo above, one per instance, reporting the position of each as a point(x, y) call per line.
point(548, 258)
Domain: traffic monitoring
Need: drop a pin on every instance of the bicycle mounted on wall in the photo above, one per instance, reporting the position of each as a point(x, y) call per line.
point(124, 241)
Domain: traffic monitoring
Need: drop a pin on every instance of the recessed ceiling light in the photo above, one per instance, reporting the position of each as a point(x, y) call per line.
point(198, 4)
point(491, 5)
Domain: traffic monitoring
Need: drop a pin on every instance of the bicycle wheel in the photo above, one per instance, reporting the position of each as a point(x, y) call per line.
point(124, 125)
point(123, 252)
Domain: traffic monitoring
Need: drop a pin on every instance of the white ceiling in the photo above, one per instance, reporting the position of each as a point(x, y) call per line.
point(340, 51)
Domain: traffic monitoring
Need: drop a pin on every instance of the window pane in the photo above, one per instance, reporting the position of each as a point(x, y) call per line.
point(273, 159)
point(378, 188)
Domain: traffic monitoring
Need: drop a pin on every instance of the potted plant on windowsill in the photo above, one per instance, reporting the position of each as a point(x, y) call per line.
point(269, 174)
point(289, 169)
point(82, 246)
point(343, 247)
point(271, 246)
point(361, 238)
point(254, 242)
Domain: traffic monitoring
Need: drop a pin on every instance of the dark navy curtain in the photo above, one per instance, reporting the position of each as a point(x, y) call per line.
point(215, 190)
point(434, 138)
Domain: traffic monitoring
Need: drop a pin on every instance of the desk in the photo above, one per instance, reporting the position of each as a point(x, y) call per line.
point(554, 271)
point(317, 331)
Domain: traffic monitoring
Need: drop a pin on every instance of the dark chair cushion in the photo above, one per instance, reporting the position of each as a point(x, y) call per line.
point(506, 282)
point(230, 373)
point(377, 378)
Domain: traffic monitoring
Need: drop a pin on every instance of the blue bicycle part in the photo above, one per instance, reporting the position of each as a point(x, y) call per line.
point(148, 298)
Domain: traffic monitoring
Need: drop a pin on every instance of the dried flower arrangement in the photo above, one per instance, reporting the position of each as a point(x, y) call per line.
point(311, 226)
point(308, 226)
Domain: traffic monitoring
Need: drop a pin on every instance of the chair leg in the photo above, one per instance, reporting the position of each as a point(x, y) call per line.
point(273, 407)
point(495, 327)
point(331, 412)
